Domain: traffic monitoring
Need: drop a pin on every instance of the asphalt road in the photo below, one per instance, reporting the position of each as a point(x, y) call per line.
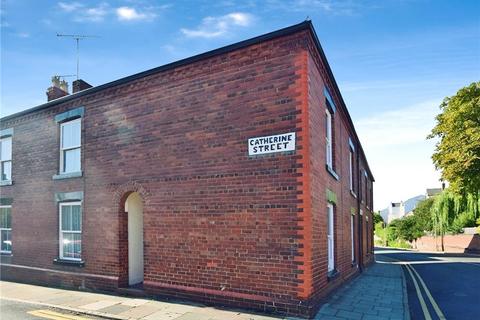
point(439, 286)
point(12, 310)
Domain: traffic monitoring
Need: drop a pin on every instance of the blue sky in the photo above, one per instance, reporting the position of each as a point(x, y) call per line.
point(394, 60)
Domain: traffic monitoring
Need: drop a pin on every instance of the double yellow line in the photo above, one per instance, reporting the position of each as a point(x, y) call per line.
point(48, 314)
point(426, 313)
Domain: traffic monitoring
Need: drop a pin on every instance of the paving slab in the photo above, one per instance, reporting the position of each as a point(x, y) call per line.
point(378, 293)
point(97, 305)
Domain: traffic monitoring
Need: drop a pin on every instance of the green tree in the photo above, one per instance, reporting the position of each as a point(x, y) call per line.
point(377, 218)
point(409, 229)
point(457, 153)
point(423, 214)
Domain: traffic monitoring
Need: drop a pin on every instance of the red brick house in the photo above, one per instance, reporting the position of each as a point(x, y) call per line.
point(234, 177)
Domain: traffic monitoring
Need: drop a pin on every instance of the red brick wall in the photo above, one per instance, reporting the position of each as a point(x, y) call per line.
point(459, 243)
point(218, 225)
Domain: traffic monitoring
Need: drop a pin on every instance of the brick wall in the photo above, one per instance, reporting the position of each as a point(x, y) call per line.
point(459, 243)
point(218, 225)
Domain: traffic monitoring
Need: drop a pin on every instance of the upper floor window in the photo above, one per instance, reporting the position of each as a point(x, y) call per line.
point(70, 146)
point(330, 133)
point(6, 159)
point(329, 136)
point(6, 229)
point(70, 230)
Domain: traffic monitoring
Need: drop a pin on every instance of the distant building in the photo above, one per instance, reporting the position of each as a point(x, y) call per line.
point(433, 192)
point(398, 210)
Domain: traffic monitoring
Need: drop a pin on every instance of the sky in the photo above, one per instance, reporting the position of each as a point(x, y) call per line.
point(394, 60)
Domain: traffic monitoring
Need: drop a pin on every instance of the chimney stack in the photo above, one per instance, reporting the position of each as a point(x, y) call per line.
point(58, 89)
point(79, 85)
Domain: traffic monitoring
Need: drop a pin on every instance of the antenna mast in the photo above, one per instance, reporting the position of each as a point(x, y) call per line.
point(77, 38)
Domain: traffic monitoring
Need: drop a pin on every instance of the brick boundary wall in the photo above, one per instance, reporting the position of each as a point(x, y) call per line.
point(460, 243)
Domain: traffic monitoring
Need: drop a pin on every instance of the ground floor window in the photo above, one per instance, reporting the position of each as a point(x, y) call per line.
point(352, 223)
point(70, 230)
point(6, 229)
point(331, 236)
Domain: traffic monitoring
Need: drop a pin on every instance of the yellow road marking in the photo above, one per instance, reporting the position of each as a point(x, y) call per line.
point(426, 313)
point(430, 297)
point(47, 314)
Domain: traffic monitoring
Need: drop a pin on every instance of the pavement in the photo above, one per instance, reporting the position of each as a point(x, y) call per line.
point(439, 286)
point(378, 293)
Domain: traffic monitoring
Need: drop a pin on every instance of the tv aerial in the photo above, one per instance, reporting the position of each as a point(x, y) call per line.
point(77, 38)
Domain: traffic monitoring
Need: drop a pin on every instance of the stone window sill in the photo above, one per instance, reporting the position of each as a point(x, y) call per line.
point(73, 263)
point(6, 183)
point(332, 275)
point(68, 175)
point(332, 172)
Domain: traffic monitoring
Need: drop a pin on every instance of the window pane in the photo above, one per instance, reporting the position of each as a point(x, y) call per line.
point(71, 134)
point(6, 149)
point(77, 245)
point(76, 219)
point(5, 218)
point(67, 245)
point(72, 245)
point(71, 160)
point(6, 171)
point(66, 218)
point(6, 239)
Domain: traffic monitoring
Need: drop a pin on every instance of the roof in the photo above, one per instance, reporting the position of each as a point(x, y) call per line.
point(433, 191)
point(305, 25)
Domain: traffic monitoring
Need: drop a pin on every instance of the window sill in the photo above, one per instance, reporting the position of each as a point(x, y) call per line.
point(73, 263)
point(332, 172)
point(353, 194)
point(6, 183)
point(6, 254)
point(68, 175)
point(332, 275)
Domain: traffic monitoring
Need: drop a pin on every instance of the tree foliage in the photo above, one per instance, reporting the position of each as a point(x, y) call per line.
point(377, 218)
point(423, 214)
point(457, 152)
point(452, 211)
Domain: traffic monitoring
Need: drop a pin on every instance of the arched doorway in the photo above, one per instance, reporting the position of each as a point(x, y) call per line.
point(134, 210)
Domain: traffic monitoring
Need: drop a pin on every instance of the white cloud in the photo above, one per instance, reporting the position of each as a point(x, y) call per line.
point(69, 7)
point(131, 14)
point(212, 27)
point(94, 14)
point(23, 35)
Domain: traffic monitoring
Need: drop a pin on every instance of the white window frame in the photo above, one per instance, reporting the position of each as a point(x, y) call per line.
point(330, 237)
point(6, 229)
point(329, 139)
point(352, 234)
point(2, 162)
point(62, 150)
point(60, 231)
point(351, 168)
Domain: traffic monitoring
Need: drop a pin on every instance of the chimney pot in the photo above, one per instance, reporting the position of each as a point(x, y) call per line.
point(55, 93)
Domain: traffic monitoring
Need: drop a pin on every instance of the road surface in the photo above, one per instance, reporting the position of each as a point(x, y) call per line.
point(14, 310)
point(439, 286)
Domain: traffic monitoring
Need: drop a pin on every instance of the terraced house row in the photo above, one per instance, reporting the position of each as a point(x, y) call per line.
point(234, 177)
